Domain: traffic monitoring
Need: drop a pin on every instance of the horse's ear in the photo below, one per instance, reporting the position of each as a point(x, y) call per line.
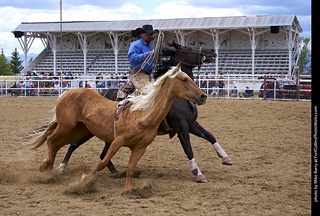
point(175, 45)
point(178, 66)
point(176, 70)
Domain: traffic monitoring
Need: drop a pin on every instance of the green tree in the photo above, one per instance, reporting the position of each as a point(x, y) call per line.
point(4, 65)
point(15, 63)
point(305, 56)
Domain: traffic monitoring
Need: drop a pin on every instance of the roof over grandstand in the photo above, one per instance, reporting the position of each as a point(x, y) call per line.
point(273, 33)
point(258, 21)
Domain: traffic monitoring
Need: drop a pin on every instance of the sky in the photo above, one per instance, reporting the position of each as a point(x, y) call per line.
point(13, 12)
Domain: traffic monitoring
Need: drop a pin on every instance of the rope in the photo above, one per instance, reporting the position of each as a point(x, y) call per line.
point(148, 61)
point(157, 49)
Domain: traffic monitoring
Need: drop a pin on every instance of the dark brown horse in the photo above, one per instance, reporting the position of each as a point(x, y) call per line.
point(182, 116)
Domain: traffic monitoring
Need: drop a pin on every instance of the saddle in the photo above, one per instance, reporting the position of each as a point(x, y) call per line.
point(125, 91)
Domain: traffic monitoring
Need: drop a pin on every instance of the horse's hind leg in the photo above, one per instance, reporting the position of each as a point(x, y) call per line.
point(76, 144)
point(110, 165)
point(54, 141)
point(73, 146)
point(199, 131)
point(58, 138)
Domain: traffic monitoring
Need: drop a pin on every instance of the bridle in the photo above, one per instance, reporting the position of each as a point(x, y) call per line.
point(198, 54)
point(200, 60)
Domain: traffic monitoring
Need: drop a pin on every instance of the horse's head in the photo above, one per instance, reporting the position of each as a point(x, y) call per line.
point(189, 56)
point(194, 56)
point(184, 87)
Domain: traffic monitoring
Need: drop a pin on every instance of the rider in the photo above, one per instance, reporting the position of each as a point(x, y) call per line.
point(141, 59)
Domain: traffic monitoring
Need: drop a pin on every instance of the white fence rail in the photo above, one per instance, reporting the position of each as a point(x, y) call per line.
point(229, 86)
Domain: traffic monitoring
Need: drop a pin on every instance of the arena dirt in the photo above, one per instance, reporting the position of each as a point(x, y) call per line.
point(269, 143)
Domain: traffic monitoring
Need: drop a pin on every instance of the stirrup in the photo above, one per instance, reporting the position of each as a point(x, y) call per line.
point(121, 95)
point(125, 91)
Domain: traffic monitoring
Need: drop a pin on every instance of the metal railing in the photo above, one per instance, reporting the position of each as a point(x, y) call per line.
point(228, 86)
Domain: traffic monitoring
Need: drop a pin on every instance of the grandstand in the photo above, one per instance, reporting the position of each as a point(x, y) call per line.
point(246, 45)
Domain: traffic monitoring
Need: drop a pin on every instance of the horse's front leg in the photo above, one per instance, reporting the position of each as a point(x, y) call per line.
point(114, 147)
point(199, 131)
point(183, 134)
point(136, 155)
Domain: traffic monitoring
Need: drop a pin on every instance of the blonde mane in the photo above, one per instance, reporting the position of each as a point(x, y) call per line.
point(150, 92)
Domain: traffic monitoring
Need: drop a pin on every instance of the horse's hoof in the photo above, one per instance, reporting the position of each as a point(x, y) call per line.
point(84, 178)
point(114, 171)
point(62, 167)
point(41, 168)
point(226, 160)
point(200, 178)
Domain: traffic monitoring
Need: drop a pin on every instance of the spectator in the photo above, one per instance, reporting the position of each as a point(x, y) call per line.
point(19, 86)
point(204, 83)
point(80, 84)
point(23, 86)
point(65, 76)
point(64, 83)
point(234, 92)
point(98, 82)
point(215, 90)
point(32, 91)
point(87, 85)
point(55, 88)
point(248, 93)
point(70, 75)
point(221, 82)
point(212, 83)
point(41, 75)
point(28, 75)
point(69, 78)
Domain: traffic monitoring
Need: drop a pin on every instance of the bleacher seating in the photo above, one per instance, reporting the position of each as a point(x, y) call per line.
point(97, 61)
point(230, 62)
point(240, 62)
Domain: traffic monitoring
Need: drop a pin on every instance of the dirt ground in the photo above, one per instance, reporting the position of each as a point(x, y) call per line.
point(269, 143)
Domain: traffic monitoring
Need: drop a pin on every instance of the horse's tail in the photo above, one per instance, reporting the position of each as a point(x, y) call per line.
point(36, 131)
point(43, 135)
point(42, 128)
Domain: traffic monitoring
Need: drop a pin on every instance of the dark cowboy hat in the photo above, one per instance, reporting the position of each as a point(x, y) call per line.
point(145, 28)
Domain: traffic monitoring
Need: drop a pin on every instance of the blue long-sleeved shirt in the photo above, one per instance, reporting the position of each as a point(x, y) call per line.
point(138, 52)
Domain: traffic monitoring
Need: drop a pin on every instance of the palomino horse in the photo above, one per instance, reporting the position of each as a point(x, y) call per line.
point(182, 115)
point(79, 113)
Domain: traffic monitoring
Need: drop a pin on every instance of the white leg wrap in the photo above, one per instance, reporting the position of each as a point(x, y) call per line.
point(218, 149)
point(193, 165)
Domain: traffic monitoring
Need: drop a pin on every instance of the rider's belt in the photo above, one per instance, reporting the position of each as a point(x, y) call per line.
point(133, 71)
